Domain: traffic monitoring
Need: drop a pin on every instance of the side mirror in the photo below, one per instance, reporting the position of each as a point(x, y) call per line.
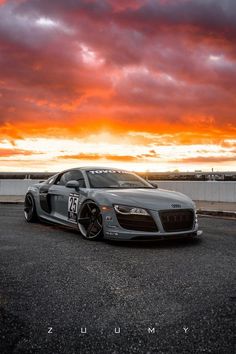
point(72, 184)
point(155, 185)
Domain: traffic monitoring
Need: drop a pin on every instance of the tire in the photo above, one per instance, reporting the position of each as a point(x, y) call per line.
point(90, 221)
point(30, 212)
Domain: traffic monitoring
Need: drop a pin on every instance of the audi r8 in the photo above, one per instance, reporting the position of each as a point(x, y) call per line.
point(111, 204)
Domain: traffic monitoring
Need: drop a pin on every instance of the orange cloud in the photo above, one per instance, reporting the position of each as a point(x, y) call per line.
point(12, 152)
point(109, 157)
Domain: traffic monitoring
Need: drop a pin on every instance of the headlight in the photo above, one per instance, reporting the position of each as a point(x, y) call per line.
point(127, 210)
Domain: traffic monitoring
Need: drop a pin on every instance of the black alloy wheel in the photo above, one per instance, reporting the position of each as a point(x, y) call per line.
point(90, 221)
point(30, 209)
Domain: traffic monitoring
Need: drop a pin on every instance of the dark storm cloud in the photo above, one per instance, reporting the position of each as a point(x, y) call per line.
point(158, 61)
point(208, 16)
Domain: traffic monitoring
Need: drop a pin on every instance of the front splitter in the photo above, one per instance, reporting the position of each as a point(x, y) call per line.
point(148, 237)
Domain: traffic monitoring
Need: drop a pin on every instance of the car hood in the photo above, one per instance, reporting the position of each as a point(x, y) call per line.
point(154, 199)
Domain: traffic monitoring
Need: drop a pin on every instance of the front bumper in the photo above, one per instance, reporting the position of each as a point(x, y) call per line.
point(114, 231)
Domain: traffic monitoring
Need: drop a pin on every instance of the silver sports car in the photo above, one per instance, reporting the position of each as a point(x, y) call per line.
point(112, 204)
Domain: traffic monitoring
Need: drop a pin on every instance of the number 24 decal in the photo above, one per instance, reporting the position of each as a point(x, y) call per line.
point(73, 204)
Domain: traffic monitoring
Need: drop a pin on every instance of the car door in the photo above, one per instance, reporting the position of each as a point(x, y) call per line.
point(63, 199)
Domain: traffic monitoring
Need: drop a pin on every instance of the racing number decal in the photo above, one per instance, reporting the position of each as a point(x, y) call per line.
point(73, 207)
point(73, 203)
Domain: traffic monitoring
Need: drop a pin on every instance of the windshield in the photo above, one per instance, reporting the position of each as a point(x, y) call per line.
point(115, 179)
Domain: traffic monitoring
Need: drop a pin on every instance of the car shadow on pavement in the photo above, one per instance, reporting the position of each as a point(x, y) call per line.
point(149, 244)
point(156, 243)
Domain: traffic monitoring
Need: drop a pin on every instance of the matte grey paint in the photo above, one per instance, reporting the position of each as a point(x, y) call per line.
point(153, 200)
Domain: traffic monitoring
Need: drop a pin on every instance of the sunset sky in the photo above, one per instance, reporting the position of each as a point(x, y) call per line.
point(138, 84)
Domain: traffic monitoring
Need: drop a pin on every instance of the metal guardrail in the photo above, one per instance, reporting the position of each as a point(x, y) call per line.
point(203, 190)
point(15, 186)
point(197, 190)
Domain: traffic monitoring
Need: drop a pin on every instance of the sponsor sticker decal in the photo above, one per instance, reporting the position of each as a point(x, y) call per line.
point(98, 172)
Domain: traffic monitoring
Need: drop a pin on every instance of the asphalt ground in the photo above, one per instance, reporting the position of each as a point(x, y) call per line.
point(52, 280)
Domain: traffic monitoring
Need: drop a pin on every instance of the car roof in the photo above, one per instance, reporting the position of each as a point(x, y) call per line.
point(88, 168)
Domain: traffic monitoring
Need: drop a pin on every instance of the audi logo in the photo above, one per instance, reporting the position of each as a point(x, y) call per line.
point(176, 205)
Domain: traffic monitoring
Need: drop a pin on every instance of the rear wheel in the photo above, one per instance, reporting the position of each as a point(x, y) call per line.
point(30, 209)
point(90, 221)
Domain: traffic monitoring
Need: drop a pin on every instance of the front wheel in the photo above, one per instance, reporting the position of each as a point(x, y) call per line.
point(90, 221)
point(30, 212)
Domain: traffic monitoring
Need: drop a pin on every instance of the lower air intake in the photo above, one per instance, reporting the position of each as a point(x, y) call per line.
point(137, 222)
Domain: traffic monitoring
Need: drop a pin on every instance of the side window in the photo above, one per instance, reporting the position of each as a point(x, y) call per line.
point(77, 176)
point(69, 176)
point(63, 179)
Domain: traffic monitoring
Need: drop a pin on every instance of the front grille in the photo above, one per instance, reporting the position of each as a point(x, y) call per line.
point(137, 222)
point(177, 220)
